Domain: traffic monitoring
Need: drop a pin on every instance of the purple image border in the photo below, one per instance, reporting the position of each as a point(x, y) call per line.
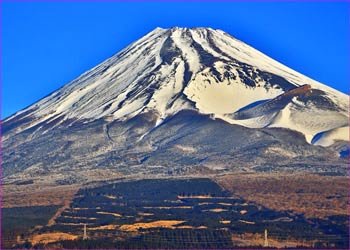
point(1, 10)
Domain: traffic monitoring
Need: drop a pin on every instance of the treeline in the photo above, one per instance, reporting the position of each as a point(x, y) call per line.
point(18, 220)
point(164, 238)
point(159, 188)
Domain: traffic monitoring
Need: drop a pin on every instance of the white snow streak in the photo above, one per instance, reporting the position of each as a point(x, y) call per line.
point(183, 42)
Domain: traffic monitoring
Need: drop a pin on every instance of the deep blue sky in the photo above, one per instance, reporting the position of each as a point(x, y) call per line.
point(45, 45)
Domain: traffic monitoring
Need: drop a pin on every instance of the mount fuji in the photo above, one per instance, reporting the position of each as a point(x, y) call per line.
point(179, 101)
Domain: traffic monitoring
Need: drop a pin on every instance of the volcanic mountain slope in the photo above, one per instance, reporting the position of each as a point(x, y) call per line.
point(177, 101)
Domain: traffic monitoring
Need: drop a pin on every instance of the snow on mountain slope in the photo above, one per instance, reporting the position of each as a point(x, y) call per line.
point(225, 95)
point(244, 53)
point(309, 120)
point(170, 70)
point(302, 109)
point(329, 137)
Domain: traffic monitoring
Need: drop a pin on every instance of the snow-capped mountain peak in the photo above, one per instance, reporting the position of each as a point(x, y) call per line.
point(201, 69)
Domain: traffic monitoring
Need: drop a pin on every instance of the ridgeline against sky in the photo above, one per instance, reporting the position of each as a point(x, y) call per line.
point(46, 45)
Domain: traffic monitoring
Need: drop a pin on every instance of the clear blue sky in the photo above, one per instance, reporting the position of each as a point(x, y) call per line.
point(45, 45)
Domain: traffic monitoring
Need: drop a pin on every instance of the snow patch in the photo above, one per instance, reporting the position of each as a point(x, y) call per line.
point(308, 120)
point(329, 137)
point(223, 97)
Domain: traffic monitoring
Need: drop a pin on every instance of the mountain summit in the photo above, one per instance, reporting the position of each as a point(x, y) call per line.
point(180, 98)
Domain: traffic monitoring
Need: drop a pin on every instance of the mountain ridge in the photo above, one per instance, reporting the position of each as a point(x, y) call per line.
point(165, 101)
point(181, 68)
